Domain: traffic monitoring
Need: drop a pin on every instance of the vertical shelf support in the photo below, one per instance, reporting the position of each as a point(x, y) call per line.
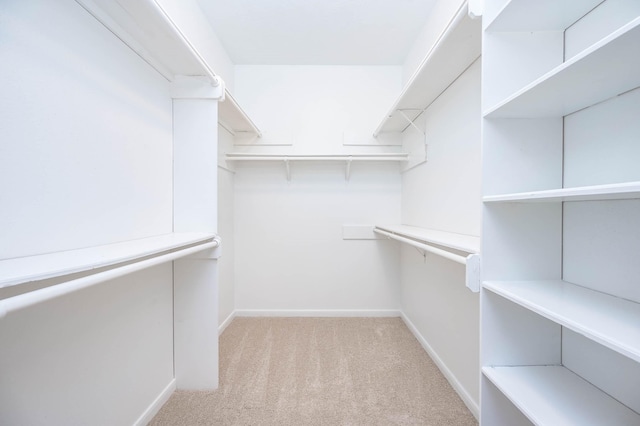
point(348, 168)
point(472, 274)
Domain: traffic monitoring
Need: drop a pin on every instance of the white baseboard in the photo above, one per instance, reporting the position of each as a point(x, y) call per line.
point(317, 313)
point(156, 405)
point(226, 322)
point(457, 386)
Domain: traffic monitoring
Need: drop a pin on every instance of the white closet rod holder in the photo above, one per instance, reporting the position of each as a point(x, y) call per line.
point(32, 298)
point(472, 261)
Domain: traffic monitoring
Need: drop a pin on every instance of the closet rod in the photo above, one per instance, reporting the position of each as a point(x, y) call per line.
point(431, 249)
point(32, 298)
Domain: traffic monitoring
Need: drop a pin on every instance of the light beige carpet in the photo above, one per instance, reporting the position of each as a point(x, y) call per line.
point(320, 371)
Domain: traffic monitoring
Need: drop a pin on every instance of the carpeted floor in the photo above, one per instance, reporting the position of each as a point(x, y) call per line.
point(320, 371)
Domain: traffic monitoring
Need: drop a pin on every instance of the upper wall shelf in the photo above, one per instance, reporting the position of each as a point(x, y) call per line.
point(548, 15)
point(454, 51)
point(346, 158)
point(598, 73)
point(147, 30)
point(33, 268)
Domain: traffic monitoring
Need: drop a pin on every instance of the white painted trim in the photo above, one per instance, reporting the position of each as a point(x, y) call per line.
point(473, 406)
point(226, 322)
point(318, 313)
point(156, 405)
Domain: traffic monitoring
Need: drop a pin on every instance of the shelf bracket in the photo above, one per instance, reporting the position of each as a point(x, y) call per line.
point(347, 174)
point(288, 167)
point(412, 122)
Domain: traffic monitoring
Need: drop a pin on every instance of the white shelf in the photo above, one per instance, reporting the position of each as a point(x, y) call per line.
point(608, 320)
point(457, 48)
point(146, 28)
point(620, 191)
point(547, 15)
point(606, 69)
point(238, 156)
point(346, 158)
point(554, 396)
point(461, 242)
point(26, 269)
point(232, 117)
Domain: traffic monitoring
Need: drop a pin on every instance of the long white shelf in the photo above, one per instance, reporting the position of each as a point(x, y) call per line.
point(456, 49)
point(461, 242)
point(346, 158)
point(604, 70)
point(554, 396)
point(610, 321)
point(547, 15)
point(33, 268)
point(619, 191)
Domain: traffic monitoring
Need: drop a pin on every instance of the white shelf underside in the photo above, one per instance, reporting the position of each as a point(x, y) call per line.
point(33, 268)
point(553, 395)
point(610, 321)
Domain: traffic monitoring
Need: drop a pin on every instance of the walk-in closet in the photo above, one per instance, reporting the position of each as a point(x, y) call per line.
point(400, 212)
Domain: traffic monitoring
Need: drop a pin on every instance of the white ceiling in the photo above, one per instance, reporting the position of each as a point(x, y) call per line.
point(317, 32)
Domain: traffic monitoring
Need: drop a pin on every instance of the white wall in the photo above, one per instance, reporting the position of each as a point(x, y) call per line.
point(288, 235)
point(445, 194)
point(85, 159)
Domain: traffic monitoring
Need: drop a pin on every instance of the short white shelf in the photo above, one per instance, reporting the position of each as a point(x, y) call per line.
point(618, 191)
point(547, 15)
point(33, 268)
point(554, 396)
point(456, 49)
point(428, 240)
point(610, 321)
point(452, 240)
point(603, 71)
point(234, 119)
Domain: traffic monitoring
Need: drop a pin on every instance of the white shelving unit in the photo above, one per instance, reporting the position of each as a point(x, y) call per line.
point(560, 321)
point(347, 159)
point(53, 265)
point(449, 245)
